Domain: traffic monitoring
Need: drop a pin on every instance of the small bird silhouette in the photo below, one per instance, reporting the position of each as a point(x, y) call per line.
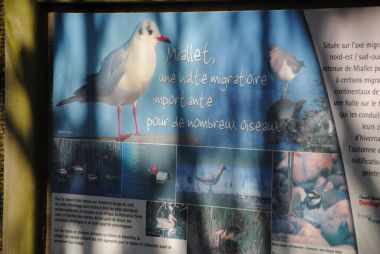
point(212, 178)
point(283, 66)
point(124, 74)
point(62, 172)
point(224, 237)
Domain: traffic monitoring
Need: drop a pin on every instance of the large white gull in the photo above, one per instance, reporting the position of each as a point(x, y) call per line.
point(124, 74)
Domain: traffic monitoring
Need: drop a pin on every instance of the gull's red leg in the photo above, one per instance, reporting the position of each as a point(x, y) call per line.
point(118, 122)
point(135, 116)
point(120, 136)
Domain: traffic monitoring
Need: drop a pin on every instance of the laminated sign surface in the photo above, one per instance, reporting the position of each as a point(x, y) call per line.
point(216, 132)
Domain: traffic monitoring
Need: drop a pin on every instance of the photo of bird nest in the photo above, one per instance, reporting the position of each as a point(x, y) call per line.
point(86, 167)
point(165, 219)
point(229, 231)
point(149, 172)
point(310, 201)
point(224, 177)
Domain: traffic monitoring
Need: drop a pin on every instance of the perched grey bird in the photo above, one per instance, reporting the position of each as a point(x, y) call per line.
point(283, 66)
point(124, 74)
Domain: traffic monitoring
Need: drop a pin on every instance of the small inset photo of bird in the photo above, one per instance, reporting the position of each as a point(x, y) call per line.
point(149, 172)
point(213, 230)
point(224, 177)
point(165, 219)
point(310, 197)
point(284, 66)
point(86, 167)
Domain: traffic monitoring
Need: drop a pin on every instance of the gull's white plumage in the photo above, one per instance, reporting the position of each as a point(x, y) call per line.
point(124, 74)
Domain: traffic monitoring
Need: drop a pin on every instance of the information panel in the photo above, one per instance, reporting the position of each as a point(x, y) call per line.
point(215, 132)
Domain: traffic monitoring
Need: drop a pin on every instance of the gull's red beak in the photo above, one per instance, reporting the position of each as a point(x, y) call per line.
point(163, 38)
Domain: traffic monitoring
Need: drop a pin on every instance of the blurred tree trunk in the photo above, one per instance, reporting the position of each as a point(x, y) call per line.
point(26, 136)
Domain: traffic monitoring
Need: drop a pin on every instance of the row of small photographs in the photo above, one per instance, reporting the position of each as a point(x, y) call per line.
point(192, 175)
point(210, 229)
point(310, 193)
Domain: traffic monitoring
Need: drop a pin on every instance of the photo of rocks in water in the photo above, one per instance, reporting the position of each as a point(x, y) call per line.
point(165, 219)
point(221, 177)
point(86, 167)
point(149, 172)
point(214, 230)
point(310, 201)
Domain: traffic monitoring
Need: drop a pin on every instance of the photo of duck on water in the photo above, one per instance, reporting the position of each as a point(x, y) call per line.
point(149, 172)
point(86, 167)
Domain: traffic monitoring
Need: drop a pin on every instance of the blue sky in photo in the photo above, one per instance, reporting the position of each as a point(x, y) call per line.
point(230, 44)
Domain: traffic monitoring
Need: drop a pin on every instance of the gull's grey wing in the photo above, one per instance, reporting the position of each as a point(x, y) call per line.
point(111, 71)
point(293, 63)
point(103, 83)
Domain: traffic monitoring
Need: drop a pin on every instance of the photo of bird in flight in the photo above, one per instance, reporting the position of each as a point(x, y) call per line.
point(283, 66)
point(124, 75)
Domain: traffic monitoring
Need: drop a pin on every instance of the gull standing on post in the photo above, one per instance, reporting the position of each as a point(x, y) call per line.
point(124, 74)
point(283, 66)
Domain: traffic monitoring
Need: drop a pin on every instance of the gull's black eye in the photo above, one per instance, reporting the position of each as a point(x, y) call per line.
point(150, 31)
